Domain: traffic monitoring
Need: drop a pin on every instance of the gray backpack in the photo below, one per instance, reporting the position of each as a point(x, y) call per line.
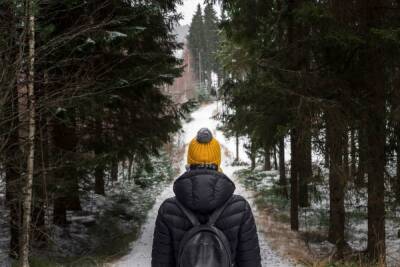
point(204, 245)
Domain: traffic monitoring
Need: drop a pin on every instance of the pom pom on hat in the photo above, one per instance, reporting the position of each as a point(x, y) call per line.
point(204, 149)
point(204, 136)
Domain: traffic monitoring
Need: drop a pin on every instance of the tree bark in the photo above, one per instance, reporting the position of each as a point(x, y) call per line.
point(74, 202)
point(275, 160)
point(362, 152)
point(209, 81)
point(27, 187)
point(60, 212)
point(124, 169)
point(99, 180)
point(99, 169)
point(237, 148)
point(305, 165)
point(337, 180)
point(294, 186)
point(353, 155)
point(267, 159)
point(397, 189)
point(300, 61)
point(326, 147)
point(376, 179)
point(13, 176)
point(13, 169)
point(346, 153)
point(130, 166)
point(114, 170)
point(375, 88)
point(253, 155)
point(40, 182)
point(293, 35)
point(67, 181)
point(282, 168)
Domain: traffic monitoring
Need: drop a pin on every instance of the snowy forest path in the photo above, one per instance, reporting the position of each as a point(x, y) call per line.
point(140, 254)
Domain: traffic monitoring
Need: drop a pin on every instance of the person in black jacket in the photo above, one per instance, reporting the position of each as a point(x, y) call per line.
point(203, 189)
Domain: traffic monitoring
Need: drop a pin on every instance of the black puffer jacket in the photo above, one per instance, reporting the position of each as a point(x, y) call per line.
point(203, 191)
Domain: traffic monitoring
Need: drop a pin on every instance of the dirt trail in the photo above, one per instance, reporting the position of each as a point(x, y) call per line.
point(140, 255)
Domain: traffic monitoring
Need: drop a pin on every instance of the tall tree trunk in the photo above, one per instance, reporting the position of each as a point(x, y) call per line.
point(353, 155)
point(299, 64)
point(397, 188)
point(99, 180)
point(12, 160)
point(282, 168)
point(124, 169)
point(346, 153)
point(27, 187)
point(375, 87)
point(267, 159)
point(305, 165)
point(209, 80)
point(294, 33)
point(376, 179)
point(60, 211)
point(13, 193)
point(13, 169)
point(396, 120)
point(130, 166)
point(294, 186)
point(253, 162)
point(14, 205)
point(275, 160)
point(362, 152)
point(337, 180)
point(74, 202)
point(99, 169)
point(40, 183)
point(73, 199)
point(65, 144)
point(114, 170)
point(237, 147)
point(326, 147)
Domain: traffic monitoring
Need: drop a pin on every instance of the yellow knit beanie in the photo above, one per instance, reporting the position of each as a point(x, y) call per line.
point(204, 149)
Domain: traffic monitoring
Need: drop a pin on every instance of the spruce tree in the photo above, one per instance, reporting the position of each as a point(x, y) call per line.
point(196, 43)
point(211, 36)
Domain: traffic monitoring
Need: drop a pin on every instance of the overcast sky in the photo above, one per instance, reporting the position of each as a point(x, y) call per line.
point(188, 9)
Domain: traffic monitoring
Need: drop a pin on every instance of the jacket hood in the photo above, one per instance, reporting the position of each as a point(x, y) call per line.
point(203, 190)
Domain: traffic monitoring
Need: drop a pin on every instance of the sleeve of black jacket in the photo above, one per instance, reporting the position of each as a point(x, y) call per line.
point(162, 253)
point(248, 251)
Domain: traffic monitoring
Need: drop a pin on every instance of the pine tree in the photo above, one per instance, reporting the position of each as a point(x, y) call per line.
point(211, 40)
point(197, 44)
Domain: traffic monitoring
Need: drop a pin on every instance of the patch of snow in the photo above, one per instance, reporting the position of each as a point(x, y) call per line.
point(60, 110)
point(179, 53)
point(115, 34)
point(90, 41)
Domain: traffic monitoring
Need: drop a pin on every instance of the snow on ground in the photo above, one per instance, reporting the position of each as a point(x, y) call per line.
point(140, 256)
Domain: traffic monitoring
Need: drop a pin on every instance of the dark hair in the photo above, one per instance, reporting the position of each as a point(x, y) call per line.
point(213, 167)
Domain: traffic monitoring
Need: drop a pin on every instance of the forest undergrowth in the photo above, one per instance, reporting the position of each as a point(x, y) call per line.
point(106, 225)
point(310, 246)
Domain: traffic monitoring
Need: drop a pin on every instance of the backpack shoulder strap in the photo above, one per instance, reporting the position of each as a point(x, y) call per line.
point(188, 213)
point(217, 213)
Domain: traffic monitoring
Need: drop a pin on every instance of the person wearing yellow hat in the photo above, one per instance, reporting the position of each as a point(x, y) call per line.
point(205, 224)
point(204, 151)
